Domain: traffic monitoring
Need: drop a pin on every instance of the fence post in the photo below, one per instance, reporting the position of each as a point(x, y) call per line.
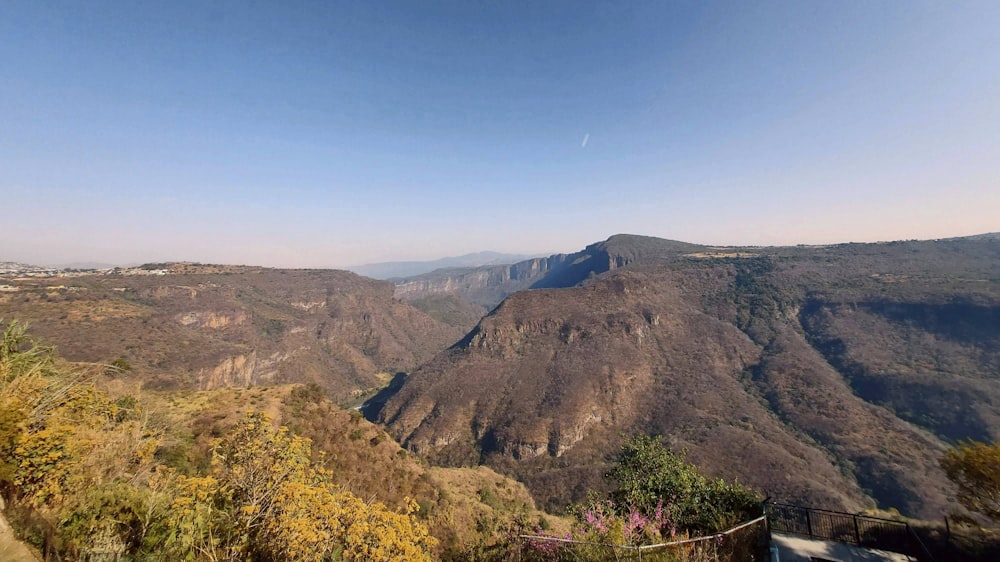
point(857, 530)
point(809, 524)
point(767, 517)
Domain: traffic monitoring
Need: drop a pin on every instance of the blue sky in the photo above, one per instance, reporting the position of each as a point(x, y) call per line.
point(336, 133)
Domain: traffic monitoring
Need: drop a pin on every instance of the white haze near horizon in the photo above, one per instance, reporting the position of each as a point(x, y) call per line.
point(340, 135)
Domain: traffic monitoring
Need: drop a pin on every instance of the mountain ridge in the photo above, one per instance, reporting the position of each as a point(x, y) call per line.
point(397, 269)
point(486, 286)
point(532, 389)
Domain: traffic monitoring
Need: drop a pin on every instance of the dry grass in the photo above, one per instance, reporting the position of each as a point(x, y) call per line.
point(464, 507)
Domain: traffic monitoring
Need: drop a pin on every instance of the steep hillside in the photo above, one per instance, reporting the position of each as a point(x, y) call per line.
point(483, 287)
point(93, 466)
point(830, 375)
point(188, 326)
point(362, 458)
point(487, 286)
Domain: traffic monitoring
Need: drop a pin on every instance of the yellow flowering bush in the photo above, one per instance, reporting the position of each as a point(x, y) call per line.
point(84, 464)
point(266, 500)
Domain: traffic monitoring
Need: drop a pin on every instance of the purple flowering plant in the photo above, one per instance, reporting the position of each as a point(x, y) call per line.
point(601, 522)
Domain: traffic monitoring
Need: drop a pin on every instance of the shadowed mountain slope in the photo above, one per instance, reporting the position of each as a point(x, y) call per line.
point(829, 375)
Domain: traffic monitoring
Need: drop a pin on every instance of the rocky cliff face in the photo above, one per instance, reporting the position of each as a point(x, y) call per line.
point(487, 286)
point(237, 371)
point(211, 327)
point(482, 286)
point(802, 372)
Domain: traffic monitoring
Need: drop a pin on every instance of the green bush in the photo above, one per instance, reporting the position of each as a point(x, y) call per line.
point(648, 474)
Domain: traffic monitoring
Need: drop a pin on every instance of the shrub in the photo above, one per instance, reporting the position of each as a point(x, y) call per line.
point(650, 475)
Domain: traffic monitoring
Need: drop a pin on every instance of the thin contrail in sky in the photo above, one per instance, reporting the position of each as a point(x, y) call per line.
point(585, 139)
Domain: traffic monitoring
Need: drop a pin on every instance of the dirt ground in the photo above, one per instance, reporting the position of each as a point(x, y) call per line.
point(11, 549)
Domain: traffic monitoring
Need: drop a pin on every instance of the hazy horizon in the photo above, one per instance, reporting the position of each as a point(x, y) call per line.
point(432, 258)
point(334, 135)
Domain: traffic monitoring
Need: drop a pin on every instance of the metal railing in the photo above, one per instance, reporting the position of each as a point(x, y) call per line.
point(745, 542)
point(862, 530)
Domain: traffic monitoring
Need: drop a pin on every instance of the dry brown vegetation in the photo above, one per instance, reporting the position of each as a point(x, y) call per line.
point(801, 371)
point(834, 376)
point(217, 326)
point(466, 509)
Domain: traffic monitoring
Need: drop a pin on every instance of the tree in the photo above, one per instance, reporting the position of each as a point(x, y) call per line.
point(72, 457)
point(80, 464)
point(118, 366)
point(975, 468)
point(649, 476)
point(267, 500)
point(20, 355)
point(660, 498)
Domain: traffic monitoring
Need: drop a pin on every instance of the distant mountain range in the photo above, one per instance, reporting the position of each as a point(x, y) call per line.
point(487, 285)
point(11, 267)
point(396, 269)
point(88, 265)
